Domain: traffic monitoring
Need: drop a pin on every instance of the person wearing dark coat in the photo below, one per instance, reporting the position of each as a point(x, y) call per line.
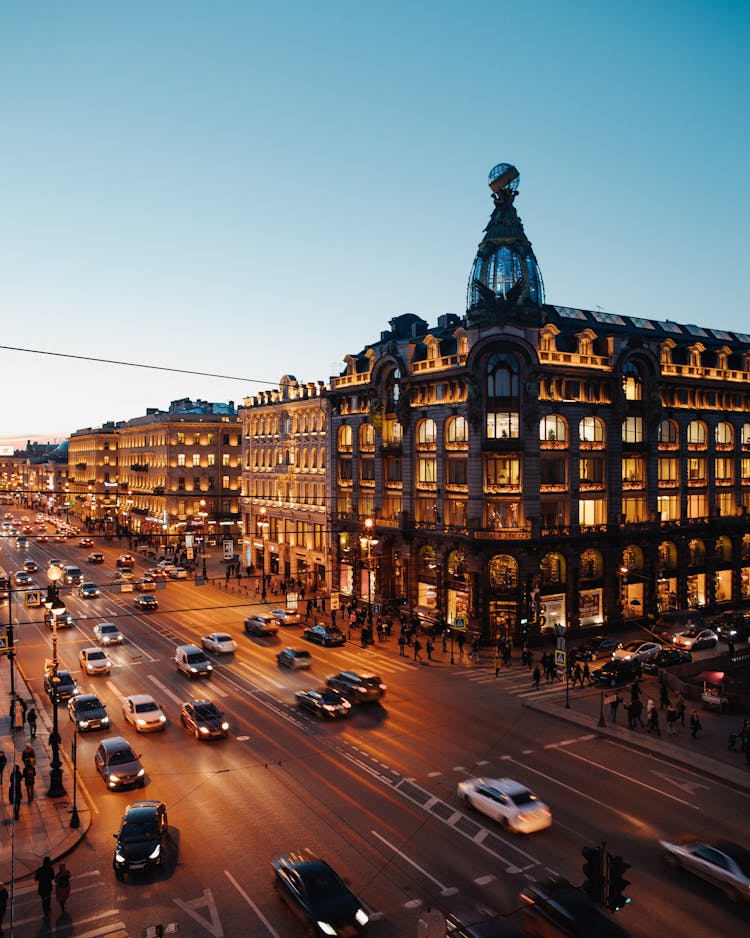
point(45, 878)
point(15, 793)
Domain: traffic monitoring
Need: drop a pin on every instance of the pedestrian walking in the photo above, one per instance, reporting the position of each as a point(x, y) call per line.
point(45, 877)
point(62, 886)
point(402, 645)
point(28, 756)
point(695, 724)
point(635, 690)
point(14, 791)
point(31, 720)
point(29, 776)
point(577, 675)
point(680, 708)
point(430, 648)
point(537, 676)
point(636, 709)
point(614, 702)
point(3, 763)
point(3, 905)
point(460, 640)
point(653, 722)
point(663, 695)
point(417, 650)
point(586, 674)
point(445, 640)
point(671, 719)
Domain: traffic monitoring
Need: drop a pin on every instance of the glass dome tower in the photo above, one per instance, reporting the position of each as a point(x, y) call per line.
point(505, 272)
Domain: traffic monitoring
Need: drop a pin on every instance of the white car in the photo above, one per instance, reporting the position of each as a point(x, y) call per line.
point(286, 616)
point(694, 639)
point(219, 642)
point(94, 661)
point(506, 801)
point(636, 651)
point(178, 573)
point(144, 713)
point(107, 633)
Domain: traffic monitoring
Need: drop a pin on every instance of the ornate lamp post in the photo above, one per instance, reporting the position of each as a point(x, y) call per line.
point(54, 606)
point(368, 541)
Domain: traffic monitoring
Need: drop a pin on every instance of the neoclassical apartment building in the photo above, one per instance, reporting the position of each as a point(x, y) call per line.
point(527, 465)
point(92, 487)
point(285, 519)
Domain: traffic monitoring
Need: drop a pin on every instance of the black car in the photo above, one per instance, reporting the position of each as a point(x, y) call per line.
point(88, 590)
point(88, 713)
point(146, 602)
point(666, 658)
point(317, 895)
point(598, 646)
point(324, 635)
point(560, 908)
point(731, 626)
point(357, 688)
point(617, 672)
point(203, 719)
point(142, 840)
point(95, 557)
point(59, 686)
point(324, 702)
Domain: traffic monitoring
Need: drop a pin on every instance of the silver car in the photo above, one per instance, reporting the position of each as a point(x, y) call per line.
point(724, 864)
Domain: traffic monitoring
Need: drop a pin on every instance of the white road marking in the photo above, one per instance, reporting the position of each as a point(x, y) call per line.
point(165, 690)
point(443, 889)
point(213, 927)
point(253, 906)
point(690, 787)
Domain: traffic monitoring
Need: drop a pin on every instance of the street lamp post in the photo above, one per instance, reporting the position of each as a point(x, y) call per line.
point(75, 821)
point(54, 606)
point(367, 540)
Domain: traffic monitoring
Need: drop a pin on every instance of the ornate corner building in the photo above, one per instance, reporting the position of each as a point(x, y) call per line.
point(528, 465)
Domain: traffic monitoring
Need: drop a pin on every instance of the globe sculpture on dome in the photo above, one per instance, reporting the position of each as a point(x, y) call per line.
point(505, 273)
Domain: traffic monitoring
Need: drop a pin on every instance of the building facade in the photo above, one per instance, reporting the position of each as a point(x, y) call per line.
point(284, 511)
point(93, 493)
point(529, 465)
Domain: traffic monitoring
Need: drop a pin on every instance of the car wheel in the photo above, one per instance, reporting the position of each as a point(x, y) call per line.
point(120, 875)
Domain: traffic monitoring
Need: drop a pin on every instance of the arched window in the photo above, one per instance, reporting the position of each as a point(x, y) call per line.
point(345, 439)
point(503, 573)
point(724, 434)
point(457, 430)
point(366, 436)
point(632, 384)
point(426, 432)
point(553, 429)
point(591, 565)
point(428, 560)
point(746, 434)
point(697, 552)
point(552, 569)
point(632, 558)
point(668, 432)
point(667, 557)
point(591, 430)
point(502, 376)
point(696, 433)
point(723, 548)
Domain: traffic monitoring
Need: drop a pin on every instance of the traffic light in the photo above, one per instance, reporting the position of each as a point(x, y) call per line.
point(593, 870)
point(617, 884)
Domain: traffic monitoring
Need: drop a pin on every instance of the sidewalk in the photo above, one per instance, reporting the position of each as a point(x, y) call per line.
point(43, 827)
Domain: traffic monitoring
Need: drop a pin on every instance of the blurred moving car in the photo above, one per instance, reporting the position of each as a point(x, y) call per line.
point(118, 765)
point(729, 626)
point(203, 719)
point(93, 661)
point(261, 624)
point(142, 838)
point(192, 662)
point(178, 573)
point(220, 643)
point(107, 633)
point(506, 801)
point(86, 542)
point(22, 578)
point(598, 646)
point(357, 688)
point(294, 658)
point(666, 658)
point(318, 895)
point(725, 864)
point(125, 560)
point(324, 635)
point(636, 651)
point(561, 909)
point(60, 620)
point(146, 602)
point(88, 590)
point(144, 713)
point(88, 713)
point(156, 573)
point(695, 639)
point(323, 703)
point(286, 616)
point(95, 557)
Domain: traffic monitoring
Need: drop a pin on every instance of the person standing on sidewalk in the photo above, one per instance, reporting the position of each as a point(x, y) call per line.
point(14, 791)
point(402, 645)
point(45, 877)
point(671, 719)
point(19, 712)
point(695, 724)
point(29, 776)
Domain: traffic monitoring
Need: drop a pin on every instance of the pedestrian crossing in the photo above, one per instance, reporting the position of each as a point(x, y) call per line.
point(104, 923)
point(516, 680)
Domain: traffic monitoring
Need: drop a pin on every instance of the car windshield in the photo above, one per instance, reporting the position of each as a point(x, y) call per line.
point(97, 656)
point(691, 633)
point(147, 706)
point(632, 646)
point(108, 629)
point(85, 706)
point(195, 658)
point(139, 828)
point(206, 711)
point(222, 638)
point(329, 696)
point(299, 654)
point(521, 798)
point(370, 681)
point(122, 756)
point(322, 883)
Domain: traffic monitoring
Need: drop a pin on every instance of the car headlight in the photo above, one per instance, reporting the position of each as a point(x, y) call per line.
point(209, 667)
point(140, 722)
point(193, 670)
point(113, 779)
point(362, 917)
point(326, 928)
point(203, 729)
point(82, 724)
point(162, 718)
point(119, 858)
point(155, 852)
point(141, 772)
point(105, 721)
point(225, 726)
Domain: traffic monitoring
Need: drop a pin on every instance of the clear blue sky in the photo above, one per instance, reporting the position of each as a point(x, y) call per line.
point(255, 189)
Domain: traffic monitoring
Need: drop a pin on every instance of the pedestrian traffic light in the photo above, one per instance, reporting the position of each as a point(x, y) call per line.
point(593, 870)
point(617, 884)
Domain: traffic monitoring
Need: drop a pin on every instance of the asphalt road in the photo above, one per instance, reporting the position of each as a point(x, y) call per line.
point(375, 794)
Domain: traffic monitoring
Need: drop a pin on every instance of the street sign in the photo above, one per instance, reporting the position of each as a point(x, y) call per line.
point(4, 645)
point(460, 624)
point(560, 658)
point(334, 600)
point(228, 544)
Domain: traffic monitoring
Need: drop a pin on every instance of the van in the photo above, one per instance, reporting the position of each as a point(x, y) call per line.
point(73, 575)
point(192, 662)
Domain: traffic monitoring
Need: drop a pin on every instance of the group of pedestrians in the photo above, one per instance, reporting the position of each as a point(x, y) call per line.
point(20, 714)
point(46, 880)
point(20, 778)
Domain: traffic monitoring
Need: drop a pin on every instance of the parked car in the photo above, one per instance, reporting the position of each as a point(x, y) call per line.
point(88, 590)
point(88, 713)
point(636, 651)
point(323, 702)
point(146, 602)
point(356, 687)
point(95, 557)
point(294, 658)
point(118, 765)
point(94, 661)
point(261, 624)
point(203, 719)
point(286, 616)
point(324, 635)
point(598, 646)
point(107, 633)
point(141, 842)
point(666, 658)
point(220, 643)
point(506, 801)
point(617, 672)
point(192, 662)
point(318, 895)
point(695, 639)
point(144, 713)
point(725, 864)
